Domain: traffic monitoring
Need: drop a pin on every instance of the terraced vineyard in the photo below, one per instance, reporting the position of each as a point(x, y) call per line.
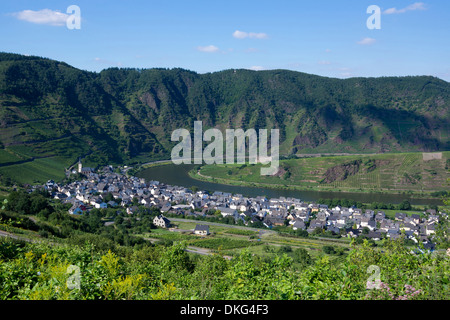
point(393, 173)
point(45, 160)
point(230, 240)
point(38, 170)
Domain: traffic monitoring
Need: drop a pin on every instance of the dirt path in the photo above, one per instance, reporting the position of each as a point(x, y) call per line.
point(192, 249)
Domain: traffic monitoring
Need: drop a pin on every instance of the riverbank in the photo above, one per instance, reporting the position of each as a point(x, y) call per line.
point(178, 175)
point(406, 174)
point(196, 174)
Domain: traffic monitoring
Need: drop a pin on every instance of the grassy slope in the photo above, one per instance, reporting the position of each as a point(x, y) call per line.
point(271, 239)
point(39, 170)
point(395, 173)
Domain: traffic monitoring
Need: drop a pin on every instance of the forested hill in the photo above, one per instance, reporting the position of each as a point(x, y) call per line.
point(48, 108)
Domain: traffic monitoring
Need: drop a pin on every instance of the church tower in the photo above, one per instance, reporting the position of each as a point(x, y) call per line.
point(79, 165)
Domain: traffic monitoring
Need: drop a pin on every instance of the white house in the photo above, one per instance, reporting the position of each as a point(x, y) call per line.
point(201, 229)
point(101, 205)
point(227, 211)
point(161, 221)
point(299, 224)
point(430, 229)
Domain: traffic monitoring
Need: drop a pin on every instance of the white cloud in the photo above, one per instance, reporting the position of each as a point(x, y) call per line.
point(366, 41)
point(324, 63)
point(346, 74)
point(256, 68)
point(107, 62)
point(253, 35)
point(44, 16)
point(412, 7)
point(240, 35)
point(209, 48)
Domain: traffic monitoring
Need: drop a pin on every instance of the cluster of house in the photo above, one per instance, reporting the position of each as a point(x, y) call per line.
point(130, 192)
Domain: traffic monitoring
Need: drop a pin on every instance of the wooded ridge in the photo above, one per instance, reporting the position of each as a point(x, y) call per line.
point(49, 108)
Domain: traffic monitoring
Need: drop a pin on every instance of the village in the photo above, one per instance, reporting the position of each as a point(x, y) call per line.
point(130, 192)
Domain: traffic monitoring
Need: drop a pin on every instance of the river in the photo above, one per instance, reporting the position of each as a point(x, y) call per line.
point(177, 175)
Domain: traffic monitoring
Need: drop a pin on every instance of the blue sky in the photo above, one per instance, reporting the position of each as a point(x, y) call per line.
point(328, 38)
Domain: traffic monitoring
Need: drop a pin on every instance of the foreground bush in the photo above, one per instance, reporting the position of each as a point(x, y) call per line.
point(40, 271)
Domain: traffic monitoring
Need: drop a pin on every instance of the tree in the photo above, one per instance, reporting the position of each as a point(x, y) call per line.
point(405, 205)
point(301, 233)
point(302, 256)
point(285, 249)
point(93, 220)
point(18, 202)
point(108, 197)
point(329, 249)
point(317, 231)
point(23, 205)
point(175, 258)
point(38, 203)
point(347, 203)
point(257, 224)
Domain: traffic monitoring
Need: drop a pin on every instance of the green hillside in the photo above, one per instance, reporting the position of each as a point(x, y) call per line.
point(392, 173)
point(50, 110)
point(47, 254)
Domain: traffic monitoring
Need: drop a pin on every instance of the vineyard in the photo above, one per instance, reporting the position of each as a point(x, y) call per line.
point(47, 272)
point(393, 173)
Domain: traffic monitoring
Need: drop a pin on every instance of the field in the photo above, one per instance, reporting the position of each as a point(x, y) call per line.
point(231, 240)
point(392, 173)
point(41, 162)
point(36, 171)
